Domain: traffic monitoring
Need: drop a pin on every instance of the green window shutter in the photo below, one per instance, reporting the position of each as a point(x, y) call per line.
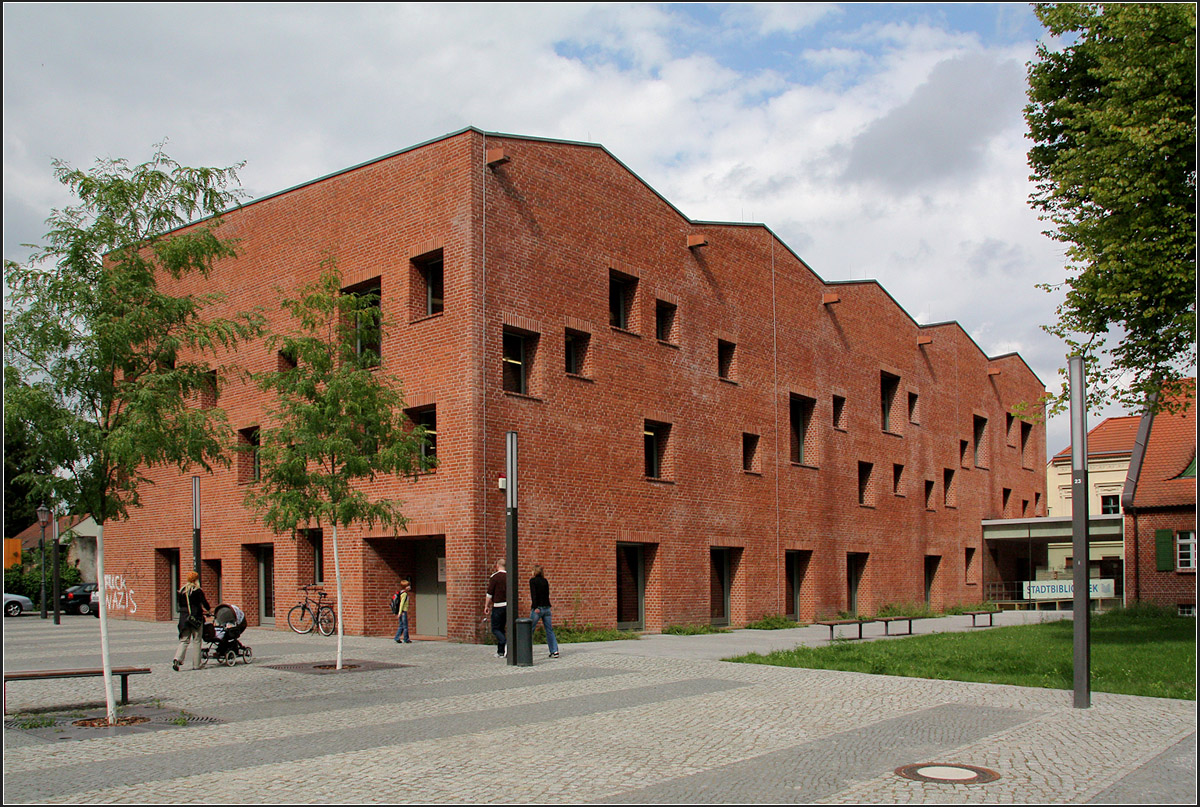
point(1164, 545)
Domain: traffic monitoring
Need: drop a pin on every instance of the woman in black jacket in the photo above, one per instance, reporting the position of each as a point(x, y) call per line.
point(192, 603)
point(539, 596)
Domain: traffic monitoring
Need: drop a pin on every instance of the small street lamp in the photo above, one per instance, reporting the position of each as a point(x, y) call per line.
point(43, 514)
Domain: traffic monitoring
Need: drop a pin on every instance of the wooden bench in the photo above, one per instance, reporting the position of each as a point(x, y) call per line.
point(35, 675)
point(887, 620)
point(833, 623)
point(976, 614)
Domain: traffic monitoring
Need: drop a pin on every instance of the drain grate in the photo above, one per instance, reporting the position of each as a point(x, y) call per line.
point(947, 774)
point(330, 667)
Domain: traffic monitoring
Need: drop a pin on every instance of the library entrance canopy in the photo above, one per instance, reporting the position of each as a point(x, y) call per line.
point(1025, 551)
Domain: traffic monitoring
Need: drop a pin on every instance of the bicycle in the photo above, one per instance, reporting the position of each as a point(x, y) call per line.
point(305, 615)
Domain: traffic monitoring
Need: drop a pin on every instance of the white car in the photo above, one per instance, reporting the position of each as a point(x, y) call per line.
point(14, 604)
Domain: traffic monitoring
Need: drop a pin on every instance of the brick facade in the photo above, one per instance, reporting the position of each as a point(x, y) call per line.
point(532, 245)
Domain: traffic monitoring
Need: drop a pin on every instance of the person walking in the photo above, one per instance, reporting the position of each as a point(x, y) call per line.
point(402, 625)
point(193, 606)
point(539, 596)
point(495, 603)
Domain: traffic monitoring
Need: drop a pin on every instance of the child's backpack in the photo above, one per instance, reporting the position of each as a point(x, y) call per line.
point(394, 603)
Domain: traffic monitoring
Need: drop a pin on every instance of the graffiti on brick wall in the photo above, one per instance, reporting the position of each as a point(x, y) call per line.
point(117, 596)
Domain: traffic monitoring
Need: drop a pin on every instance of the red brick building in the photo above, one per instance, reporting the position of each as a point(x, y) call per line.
point(1160, 510)
point(708, 430)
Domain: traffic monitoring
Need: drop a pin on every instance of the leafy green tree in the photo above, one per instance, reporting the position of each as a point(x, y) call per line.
point(104, 369)
point(338, 420)
point(20, 511)
point(1112, 114)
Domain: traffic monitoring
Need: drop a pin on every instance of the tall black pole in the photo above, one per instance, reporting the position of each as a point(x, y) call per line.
point(196, 524)
point(54, 570)
point(42, 553)
point(510, 543)
point(1079, 533)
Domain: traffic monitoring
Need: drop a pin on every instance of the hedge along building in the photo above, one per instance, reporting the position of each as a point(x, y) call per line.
point(709, 432)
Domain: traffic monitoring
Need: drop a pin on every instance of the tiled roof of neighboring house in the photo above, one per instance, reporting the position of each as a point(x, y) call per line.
point(1159, 479)
point(33, 533)
point(1113, 436)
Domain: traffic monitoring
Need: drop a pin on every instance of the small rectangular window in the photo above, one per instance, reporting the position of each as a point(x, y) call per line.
point(285, 360)
point(1110, 505)
point(839, 412)
point(1024, 508)
point(948, 487)
point(208, 390)
point(802, 451)
point(1186, 552)
point(656, 439)
point(427, 284)
point(929, 488)
point(664, 321)
point(969, 571)
point(576, 351)
point(964, 451)
point(249, 464)
point(1009, 434)
point(898, 479)
point(726, 360)
point(1026, 444)
point(914, 409)
point(888, 385)
point(519, 351)
point(1037, 503)
point(366, 325)
point(866, 494)
point(750, 458)
point(1005, 497)
point(426, 416)
point(622, 296)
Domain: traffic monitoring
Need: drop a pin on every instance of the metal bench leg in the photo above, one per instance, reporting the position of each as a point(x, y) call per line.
point(124, 689)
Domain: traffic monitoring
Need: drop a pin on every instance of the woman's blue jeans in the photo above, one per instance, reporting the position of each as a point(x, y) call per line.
point(544, 615)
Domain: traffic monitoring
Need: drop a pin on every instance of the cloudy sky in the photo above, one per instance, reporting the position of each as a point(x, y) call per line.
point(879, 141)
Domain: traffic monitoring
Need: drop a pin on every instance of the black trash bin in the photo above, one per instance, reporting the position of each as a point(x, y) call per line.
point(522, 646)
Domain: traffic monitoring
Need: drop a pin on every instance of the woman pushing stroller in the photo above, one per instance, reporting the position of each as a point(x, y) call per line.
point(193, 607)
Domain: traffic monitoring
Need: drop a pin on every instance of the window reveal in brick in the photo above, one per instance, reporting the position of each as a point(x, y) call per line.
point(428, 284)
point(249, 468)
point(888, 386)
point(726, 360)
point(1005, 495)
point(719, 585)
point(664, 321)
point(426, 416)
point(803, 438)
point(656, 439)
point(366, 329)
point(1026, 445)
point(981, 442)
point(914, 408)
point(751, 462)
point(575, 351)
point(929, 488)
point(1009, 433)
point(964, 451)
point(898, 479)
point(285, 360)
point(208, 390)
point(948, 487)
point(839, 412)
point(970, 572)
point(1024, 508)
point(1037, 503)
point(866, 493)
point(931, 569)
point(622, 299)
point(311, 550)
point(795, 565)
point(519, 352)
point(631, 580)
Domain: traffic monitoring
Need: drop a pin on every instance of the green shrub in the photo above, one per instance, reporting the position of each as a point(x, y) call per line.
point(693, 630)
point(911, 610)
point(568, 633)
point(962, 608)
point(773, 622)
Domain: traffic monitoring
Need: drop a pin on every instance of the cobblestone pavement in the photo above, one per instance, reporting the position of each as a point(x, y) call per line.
point(659, 720)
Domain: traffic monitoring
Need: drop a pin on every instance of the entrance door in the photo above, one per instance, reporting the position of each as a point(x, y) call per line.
point(266, 584)
point(429, 587)
point(931, 567)
point(631, 584)
point(172, 556)
point(718, 587)
point(795, 564)
point(856, 564)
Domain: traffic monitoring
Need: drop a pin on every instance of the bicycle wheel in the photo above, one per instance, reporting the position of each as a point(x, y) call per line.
point(326, 620)
point(300, 619)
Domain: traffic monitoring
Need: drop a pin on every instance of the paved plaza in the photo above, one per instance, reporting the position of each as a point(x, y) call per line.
point(658, 720)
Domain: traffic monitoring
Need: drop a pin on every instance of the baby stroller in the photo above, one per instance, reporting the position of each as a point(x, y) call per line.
point(221, 636)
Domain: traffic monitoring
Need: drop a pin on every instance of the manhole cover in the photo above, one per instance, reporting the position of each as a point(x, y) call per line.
point(941, 773)
point(330, 667)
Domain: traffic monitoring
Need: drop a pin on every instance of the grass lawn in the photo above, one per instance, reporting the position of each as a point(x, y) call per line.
point(1143, 651)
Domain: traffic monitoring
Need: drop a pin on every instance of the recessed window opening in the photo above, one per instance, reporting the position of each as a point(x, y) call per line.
point(750, 459)
point(1185, 542)
point(866, 496)
point(898, 479)
point(1110, 505)
point(1009, 436)
point(964, 451)
point(655, 438)
point(249, 463)
point(208, 390)
point(1026, 444)
point(664, 321)
point(726, 359)
point(914, 410)
point(929, 488)
point(1005, 496)
point(575, 351)
point(981, 447)
point(888, 385)
point(519, 350)
point(426, 416)
point(801, 416)
point(948, 487)
point(839, 412)
point(367, 324)
point(285, 360)
point(622, 293)
point(430, 271)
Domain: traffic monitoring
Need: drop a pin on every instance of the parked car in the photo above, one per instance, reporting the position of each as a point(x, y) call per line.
point(14, 604)
point(96, 603)
point(77, 599)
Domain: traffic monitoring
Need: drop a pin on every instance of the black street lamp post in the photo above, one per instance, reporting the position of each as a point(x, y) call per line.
point(43, 514)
